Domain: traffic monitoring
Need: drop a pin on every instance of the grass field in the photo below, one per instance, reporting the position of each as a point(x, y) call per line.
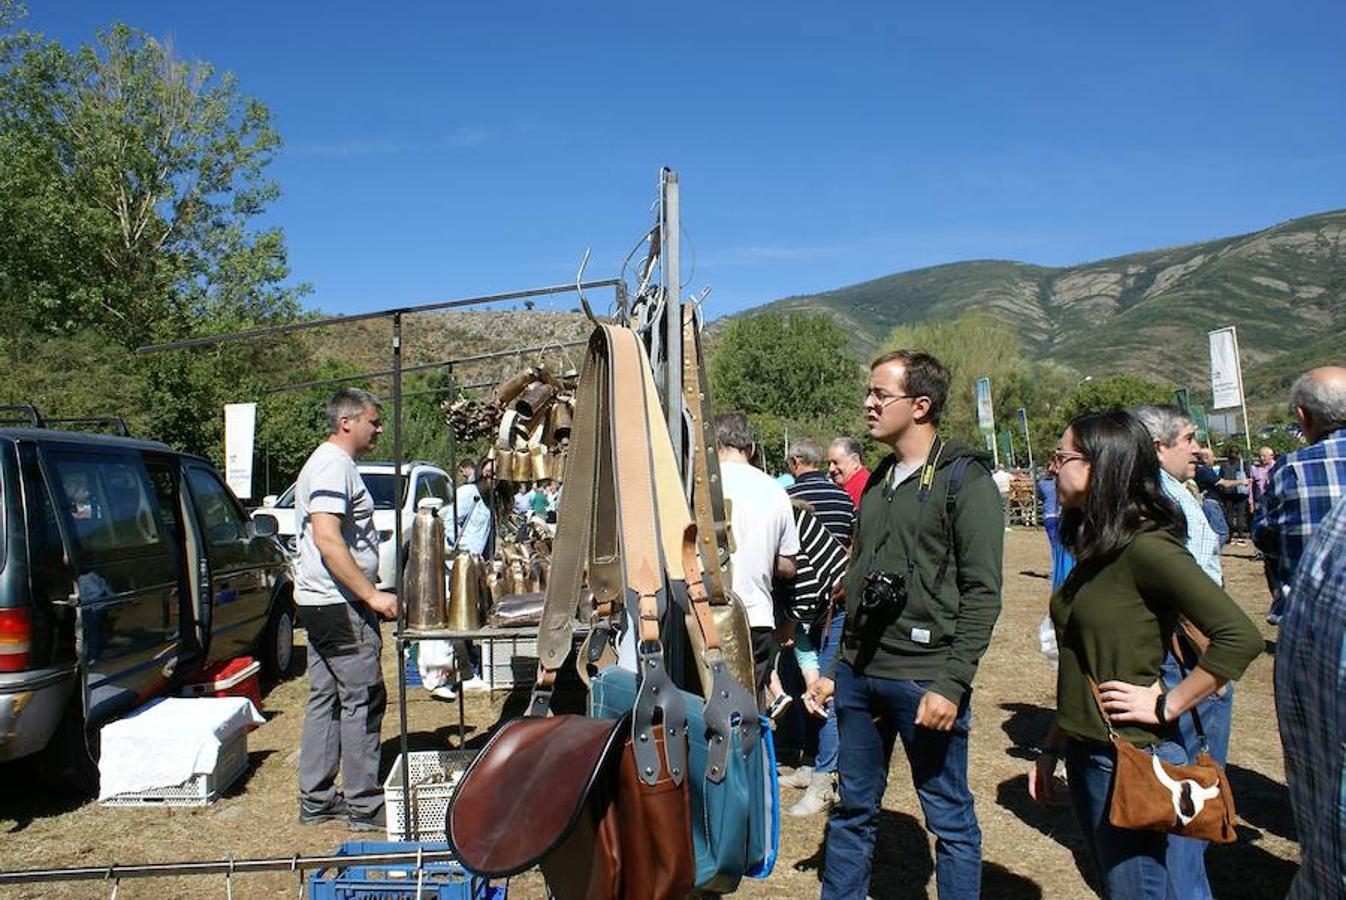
point(1029, 852)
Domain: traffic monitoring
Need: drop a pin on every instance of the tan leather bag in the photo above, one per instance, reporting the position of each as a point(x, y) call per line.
point(1149, 794)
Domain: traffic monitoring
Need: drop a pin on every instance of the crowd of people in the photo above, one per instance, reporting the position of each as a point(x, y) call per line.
point(885, 588)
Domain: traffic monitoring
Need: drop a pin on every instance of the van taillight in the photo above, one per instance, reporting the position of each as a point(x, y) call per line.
point(16, 634)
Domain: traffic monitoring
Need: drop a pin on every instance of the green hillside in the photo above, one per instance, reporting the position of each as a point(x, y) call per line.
point(1146, 313)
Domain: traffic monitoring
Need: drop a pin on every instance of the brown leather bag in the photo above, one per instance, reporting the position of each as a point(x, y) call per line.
point(1149, 794)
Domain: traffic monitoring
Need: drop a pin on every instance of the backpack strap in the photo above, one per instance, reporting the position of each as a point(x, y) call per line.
point(957, 474)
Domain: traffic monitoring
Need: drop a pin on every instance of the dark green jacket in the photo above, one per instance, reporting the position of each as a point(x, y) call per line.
point(936, 638)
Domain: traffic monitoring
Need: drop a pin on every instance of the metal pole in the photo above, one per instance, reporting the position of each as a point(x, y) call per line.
point(671, 220)
point(407, 824)
point(222, 866)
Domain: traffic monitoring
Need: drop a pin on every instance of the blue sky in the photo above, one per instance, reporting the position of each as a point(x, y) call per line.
point(436, 150)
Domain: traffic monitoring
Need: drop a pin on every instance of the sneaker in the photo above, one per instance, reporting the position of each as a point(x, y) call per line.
point(335, 810)
point(777, 707)
point(371, 821)
point(444, 692)
point(816, 799)
point(801, 778)
point(474, 685)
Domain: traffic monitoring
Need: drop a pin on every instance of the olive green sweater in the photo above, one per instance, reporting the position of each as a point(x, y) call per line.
point(1114, 621)
point(937, 635)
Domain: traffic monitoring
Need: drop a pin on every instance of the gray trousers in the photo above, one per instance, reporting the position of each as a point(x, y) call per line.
point(346, 700)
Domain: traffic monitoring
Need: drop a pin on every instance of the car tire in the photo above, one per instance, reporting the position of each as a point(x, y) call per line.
point(68, 765)
point(277, 647)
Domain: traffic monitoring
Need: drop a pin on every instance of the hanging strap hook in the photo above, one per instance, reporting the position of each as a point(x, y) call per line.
point(579, 289)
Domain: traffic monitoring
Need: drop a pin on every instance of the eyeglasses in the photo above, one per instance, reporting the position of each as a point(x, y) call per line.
point(883, 398)
point(1060, 457)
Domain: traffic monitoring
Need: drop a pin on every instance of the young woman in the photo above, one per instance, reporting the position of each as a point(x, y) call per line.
point(1114, 616)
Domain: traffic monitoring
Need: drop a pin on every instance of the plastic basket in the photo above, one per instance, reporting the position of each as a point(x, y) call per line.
point(432, 881)
point(430, 773)
point(199, 790)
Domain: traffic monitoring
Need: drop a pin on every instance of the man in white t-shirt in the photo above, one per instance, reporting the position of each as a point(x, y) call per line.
point(765, 536)
point(1003, 480)
point(340, 607)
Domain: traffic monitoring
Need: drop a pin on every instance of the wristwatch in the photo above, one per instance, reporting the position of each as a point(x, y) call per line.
point(1160, 712)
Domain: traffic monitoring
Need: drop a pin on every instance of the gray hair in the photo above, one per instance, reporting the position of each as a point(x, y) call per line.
point(1322, 398)
point(848, 445)
point(348, 403)
point(807, 451)
point(1164, 422)
point(732, 429)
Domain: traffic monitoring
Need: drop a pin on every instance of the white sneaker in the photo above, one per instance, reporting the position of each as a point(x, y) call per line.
point(444, 692)
point(801, 777)
point(816, 799)
point(474, 685)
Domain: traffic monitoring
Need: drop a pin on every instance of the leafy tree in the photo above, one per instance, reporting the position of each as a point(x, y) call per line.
point(794, 367)
point(130, 186)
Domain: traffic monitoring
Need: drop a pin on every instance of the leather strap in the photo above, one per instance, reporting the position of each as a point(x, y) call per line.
point(707, 494)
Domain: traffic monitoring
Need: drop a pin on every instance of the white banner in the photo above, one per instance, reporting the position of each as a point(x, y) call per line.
point(985, 415)
point(240, 424)
point(1226, 378)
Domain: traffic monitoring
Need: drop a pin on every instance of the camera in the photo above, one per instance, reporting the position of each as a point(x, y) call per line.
point(883, 591)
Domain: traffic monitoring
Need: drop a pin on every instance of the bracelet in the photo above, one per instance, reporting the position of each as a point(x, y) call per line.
point(1160, 710)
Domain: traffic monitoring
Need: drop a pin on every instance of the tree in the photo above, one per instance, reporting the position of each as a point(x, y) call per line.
point(795, 367)
point(130, 186)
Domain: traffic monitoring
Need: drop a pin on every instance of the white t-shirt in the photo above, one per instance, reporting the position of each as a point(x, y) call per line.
point(1002, 481)
point(330, 483)
point(764, 528)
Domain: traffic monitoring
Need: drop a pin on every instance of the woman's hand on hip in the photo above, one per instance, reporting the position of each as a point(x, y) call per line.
point(1130, 703)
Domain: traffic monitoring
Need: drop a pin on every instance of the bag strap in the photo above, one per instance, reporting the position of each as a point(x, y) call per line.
point(712, 523)
point(957, 472)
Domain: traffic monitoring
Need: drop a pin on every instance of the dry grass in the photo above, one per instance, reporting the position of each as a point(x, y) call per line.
point(1029, 852)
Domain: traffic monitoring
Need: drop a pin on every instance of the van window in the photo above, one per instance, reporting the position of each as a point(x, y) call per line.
point(432, 484)
point(108, 503)
point(223, 522)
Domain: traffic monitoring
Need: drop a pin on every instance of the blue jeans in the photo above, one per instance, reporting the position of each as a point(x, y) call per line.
point(826, 760)
point(872, 713)
point(1131, 864)
point(1187, 856)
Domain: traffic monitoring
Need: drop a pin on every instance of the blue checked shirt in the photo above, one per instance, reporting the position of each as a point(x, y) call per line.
point(1202, 541)
point(1301, 488)
point(1311, 707)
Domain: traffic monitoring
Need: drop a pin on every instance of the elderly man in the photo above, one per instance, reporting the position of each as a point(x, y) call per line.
point(340, 608)
point(1303, 486)
point(1175, 444)
point(847, 468)
point(829, 502)
point(766, 538)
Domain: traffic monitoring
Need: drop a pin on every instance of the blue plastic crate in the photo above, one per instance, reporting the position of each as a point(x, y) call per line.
point(413, 669)
point(440, 881)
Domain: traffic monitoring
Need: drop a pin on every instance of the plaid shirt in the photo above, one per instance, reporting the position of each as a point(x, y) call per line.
point(1301, 489)
point(1202, 541)
point(1311, 707)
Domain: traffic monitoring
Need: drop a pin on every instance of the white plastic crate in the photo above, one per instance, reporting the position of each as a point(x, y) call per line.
point(509, 662)
point(433, 775)
point(199, 790)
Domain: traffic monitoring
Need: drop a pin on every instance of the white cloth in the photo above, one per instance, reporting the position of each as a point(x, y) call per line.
point(1002, 481)
point(330, 483)
point(168, 741)
point(764, 528)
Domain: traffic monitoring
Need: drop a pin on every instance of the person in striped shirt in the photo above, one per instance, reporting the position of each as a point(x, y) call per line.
point(829, 502)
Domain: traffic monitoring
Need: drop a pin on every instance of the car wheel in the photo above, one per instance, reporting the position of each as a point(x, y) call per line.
point(278, 642)
point(69, 763)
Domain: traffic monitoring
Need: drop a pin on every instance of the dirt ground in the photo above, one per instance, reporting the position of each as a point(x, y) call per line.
point(1029, 852)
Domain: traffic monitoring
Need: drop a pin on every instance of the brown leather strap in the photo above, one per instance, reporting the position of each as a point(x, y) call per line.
point(707, 493)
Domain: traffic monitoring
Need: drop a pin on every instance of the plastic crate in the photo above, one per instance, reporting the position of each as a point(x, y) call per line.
point(199, 790)
point(412, 668)
point(509, 662)
point(431, 773)
point(432, 881)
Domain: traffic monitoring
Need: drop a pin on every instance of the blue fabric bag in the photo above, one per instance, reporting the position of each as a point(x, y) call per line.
point(735, 821)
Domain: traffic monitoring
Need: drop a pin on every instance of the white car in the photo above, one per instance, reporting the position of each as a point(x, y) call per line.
point(423, 480)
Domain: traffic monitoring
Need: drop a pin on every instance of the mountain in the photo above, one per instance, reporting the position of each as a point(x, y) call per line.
point(1146, 313)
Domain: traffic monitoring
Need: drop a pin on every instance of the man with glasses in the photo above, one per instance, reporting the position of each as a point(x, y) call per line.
point(922, 597)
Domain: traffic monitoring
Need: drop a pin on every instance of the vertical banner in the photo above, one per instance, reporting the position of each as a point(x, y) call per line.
point(1181, 398)
point(986, 417)
point(1028, 441)
point(1226, 381)
point(240, 424)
